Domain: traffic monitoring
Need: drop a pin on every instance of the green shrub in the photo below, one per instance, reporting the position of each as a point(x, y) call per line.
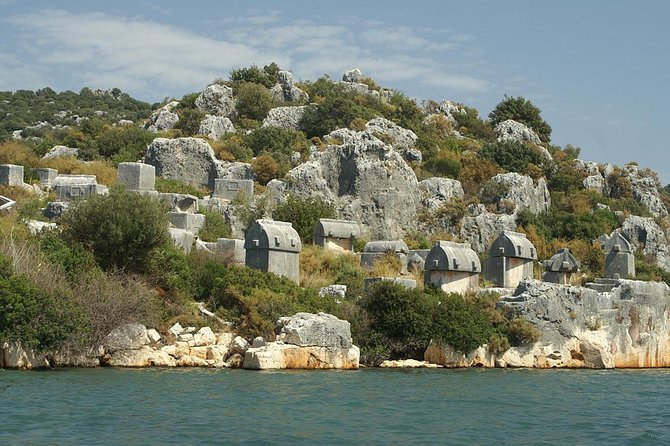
point(71, 258)
point(520, 332)
point(123, 143)
point(170, 269)
point(521, 110)
point(470, 124)
point(304, 213)
point(266, 76)
point(513, 156)
point(37, 318)
point(278, 142)
point(254, 101)
point(189, 121)
point(215, 226)
point(120, 229)
point(444, 164)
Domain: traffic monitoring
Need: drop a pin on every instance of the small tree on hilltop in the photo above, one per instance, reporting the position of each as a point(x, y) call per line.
point(521, 110)
point(121, 229)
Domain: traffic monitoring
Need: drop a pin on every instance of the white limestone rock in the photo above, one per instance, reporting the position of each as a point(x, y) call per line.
point(61, 151)
point(285, 117)
point(204, 336)
point(308, 329)
point(190, 160)
point(142, 357)
point(217, 100)
point(523, 192)
point(644, 233)
point(284, 90)
point(215, 126)
point(126, 337)
point(436, 192)
point(511, 130)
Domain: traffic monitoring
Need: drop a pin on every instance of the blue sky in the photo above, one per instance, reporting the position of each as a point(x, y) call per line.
point(598, 70)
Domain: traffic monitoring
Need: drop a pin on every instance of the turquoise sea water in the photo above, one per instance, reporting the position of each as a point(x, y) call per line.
point(372, 406)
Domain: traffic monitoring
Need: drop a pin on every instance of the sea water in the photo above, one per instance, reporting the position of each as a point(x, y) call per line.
point(369, 406)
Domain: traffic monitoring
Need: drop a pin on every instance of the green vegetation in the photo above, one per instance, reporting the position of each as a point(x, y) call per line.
point(121, 229)
point(521, 110)
point(303, 213)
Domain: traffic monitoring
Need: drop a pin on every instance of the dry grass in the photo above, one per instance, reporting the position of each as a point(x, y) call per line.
point(104, 171)
point(12, 152)
point(388, 265)
point(316, 267)
point(17, 194)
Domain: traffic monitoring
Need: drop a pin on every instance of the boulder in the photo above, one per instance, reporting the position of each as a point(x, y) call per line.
point(522, 191)
point(14, 356)
point(55, 209)
point(36, 226)
point(142, 357)
point(190, 160)
point(511, 130)
point(164, 118)
point(277, 355)
point(336, 291)
point(367, 180)
point(407, 364)
point(354, 75)
point(436, 192)
point(216, 100)
point(204, 336)
point(308, 329)
point(215, 126)
point(239, 345)
point(127, 337)
point(285, 117)
point(61, 151)
point(449, 109)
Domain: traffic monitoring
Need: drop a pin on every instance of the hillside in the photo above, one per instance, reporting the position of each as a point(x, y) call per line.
point(348, 149)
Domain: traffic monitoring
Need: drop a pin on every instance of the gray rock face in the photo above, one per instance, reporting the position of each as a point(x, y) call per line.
point(190, 160)
point(401, 139)
point(481, 228)
point(353, 75)
point(164, 118)
point(436, 192)
point(55, 209)
point(217, 100)
point(61, 151)
point(646, 190)
point(285, 117)
point(627, 327)
point(236, 171)
point(644, 233)
point(449, 109)
point(511, 130)
point(284, 90)
point(127, 337)
point(320, 330)
point(368, 181)
point(523, 192)
point(215, 126)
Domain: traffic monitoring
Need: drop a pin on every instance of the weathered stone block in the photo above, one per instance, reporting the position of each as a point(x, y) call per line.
point(230, 189)
point(137, 176)
point(187, 221)
point(46, 176)
point(407, 283)
point(11, 175)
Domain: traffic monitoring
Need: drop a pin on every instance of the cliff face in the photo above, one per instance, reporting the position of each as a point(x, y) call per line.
point(627, 327)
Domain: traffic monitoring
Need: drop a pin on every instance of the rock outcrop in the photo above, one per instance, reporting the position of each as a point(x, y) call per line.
point(306, 341)
point(645, 234)
point(646, 189)
point(215, 126)
point(522, 191)
point(217, 100)
point(164, 118)
point(190, 160)
point(284, 90)
point(480, 228)
point(511, 130)
point(581, 328)
point(285, 117)
point(61, 151)
point(436, 192)
point(368, 181)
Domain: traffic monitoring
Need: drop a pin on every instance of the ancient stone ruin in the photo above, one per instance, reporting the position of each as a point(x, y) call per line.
point(619, 257)
point(274, 247)
point(230, 189)
point(11, 175)
point(452, 267)
point(138, 177)
point(72, 187)
point(335, 235)
point(561, 267)
point(510, 259)
point(374, 251)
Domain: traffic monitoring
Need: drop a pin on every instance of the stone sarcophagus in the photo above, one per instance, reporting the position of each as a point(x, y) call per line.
point(511, 258)
point(335, 235)
point(274, 247)
point(452, 267)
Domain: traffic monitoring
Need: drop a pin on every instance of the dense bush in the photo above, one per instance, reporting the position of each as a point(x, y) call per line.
point(266, 76)
point(37, 318)
point(513, 156)
point(254, 101)
point(124, 143)
point(121, 229)
point(277, 142)
point(521, 110)
point(215, 226)
point(303, 213)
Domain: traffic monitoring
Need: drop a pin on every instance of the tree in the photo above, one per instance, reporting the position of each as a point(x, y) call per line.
point(521, 110)
point(120, 229)
point(254, 101)
point(304, 213)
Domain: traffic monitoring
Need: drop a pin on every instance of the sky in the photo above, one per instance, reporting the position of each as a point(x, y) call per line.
point(597, 69)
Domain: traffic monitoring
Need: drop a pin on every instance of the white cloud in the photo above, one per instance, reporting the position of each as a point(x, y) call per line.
point(151, 59)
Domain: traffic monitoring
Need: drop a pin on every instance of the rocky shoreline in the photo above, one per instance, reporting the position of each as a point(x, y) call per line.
point(627, 326)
